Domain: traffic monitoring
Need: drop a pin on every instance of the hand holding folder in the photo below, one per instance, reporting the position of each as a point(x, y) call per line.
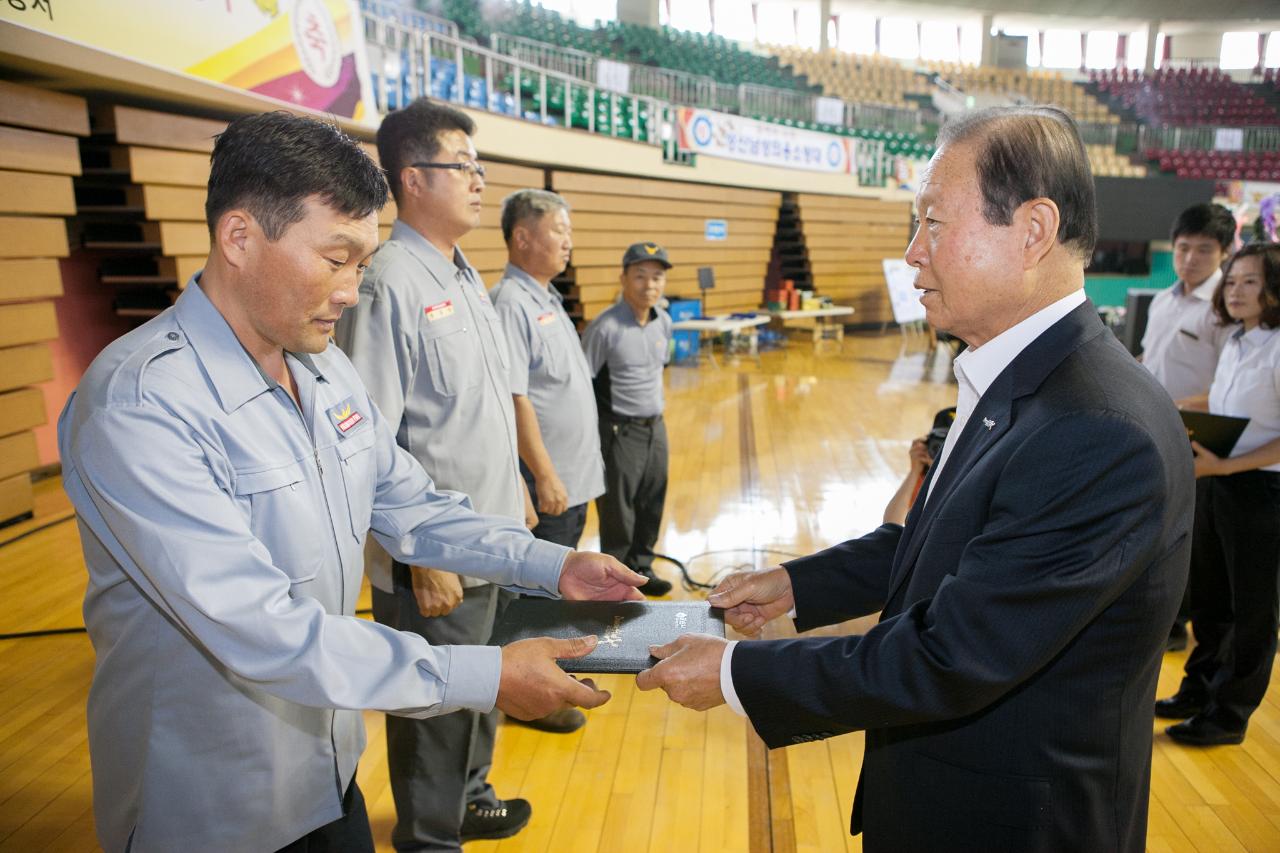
point(531, 684)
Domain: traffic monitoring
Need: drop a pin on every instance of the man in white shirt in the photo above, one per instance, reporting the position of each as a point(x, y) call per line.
point(1026, 602)
point(1183, 339)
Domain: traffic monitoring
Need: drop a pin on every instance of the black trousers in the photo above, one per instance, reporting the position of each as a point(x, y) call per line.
point(563, 529)
point(348, 834)
point(635, 488)
point(1234, 611)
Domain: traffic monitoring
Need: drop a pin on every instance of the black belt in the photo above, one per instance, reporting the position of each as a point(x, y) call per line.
point(624, 419)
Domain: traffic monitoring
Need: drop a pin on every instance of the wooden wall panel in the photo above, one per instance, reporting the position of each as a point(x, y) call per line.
point(25, 365)
point(846, 239)
point(39, 155)
point(23, 409)
point(36, 151)
point(18, 454)
point(609, 213)
point(161, 166)
point(29, 278)
point(152, 129)
point(32, 192)
point(16, 498)
point(26, 106)
point(33, 237)
point(27, 323)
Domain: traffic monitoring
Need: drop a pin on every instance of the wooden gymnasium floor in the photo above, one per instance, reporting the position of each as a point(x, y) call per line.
point(793, 454)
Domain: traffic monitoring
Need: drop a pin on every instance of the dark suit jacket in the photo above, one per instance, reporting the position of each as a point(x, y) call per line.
point(1007, 690)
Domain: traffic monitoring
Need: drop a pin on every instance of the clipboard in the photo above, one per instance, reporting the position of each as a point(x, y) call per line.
point(1218, 433)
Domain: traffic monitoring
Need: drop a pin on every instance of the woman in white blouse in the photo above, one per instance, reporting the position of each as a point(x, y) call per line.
point(1236, 548)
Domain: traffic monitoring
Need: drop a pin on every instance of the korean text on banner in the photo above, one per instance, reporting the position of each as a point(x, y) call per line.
point(737, 138)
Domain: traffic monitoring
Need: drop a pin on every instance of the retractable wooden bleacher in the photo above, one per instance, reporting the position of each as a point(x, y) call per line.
point(846, 239)
point(610, 213)
point(38, 157)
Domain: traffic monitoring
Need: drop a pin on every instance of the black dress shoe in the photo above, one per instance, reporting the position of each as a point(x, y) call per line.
point(1202, 731)
point(1180, 706)
point(655, 586)
point(1177, 638)
point(501, 821)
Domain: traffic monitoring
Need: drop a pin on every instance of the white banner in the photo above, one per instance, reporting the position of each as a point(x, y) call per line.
point(1229, 139)
point(828, 111)
point(737, 138)
point(614, 76)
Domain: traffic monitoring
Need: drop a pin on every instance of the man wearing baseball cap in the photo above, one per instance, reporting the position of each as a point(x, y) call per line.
point(627, 346)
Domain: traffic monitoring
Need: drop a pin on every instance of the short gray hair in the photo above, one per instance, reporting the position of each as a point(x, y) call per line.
point(523, 205)
point(1028, 152)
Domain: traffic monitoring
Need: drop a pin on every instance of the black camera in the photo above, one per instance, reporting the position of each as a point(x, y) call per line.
point(937, 436)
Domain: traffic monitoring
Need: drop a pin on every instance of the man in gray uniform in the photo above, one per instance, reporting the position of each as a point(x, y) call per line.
point(226, 464)
point(555, 404)
point(554, 401)
point(626, 347)
point(430, 348)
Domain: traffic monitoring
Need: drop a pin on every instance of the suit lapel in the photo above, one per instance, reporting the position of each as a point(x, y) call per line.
point(989, 421)
point(992, 417)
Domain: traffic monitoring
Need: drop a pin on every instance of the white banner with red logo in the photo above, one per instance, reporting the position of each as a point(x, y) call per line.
point(737, 138)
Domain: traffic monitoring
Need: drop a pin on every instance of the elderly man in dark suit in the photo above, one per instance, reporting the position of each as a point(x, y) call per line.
point(1007, 690)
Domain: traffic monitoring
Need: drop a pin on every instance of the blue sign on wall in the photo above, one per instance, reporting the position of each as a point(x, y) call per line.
point(717, 229)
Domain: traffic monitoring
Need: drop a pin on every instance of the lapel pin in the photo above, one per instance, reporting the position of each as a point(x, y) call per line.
point(988, 423)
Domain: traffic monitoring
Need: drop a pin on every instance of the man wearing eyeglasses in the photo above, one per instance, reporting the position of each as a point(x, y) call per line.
point(428, 344)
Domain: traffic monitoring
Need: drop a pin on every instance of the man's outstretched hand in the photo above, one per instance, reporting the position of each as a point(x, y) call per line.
point(688, 671)
point(588, 576)
point(532, 685)
point(751, 599)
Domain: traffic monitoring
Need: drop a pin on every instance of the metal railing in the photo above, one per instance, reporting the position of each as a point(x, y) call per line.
point(885, 118)
point(407, 63)
point(678, 87)
point(700, 90)
point(411, 19)
point(1204, 138)
point(566, 60)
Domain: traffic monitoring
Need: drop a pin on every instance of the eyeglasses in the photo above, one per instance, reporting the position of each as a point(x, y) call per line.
point(466, 167)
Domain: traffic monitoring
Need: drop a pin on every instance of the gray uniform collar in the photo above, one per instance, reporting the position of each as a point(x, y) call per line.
point(625, 314)
point(236, 376)
point(444, 269)
point(546, 295)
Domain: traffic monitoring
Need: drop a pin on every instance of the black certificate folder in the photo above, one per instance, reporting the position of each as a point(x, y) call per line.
point(1216, 433)
point(624, 629)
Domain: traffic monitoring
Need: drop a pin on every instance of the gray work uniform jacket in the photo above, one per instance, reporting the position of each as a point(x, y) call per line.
point(427, 342)
point(222, 527)
point(548, 367)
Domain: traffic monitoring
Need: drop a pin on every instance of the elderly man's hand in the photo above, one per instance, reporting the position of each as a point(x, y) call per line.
point(588, 576)
point(750, 599)
point(688, 670)
point(533, 685)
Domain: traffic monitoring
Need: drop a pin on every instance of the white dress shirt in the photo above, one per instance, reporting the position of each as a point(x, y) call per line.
point(1247, 385)
point(1183, 338)
point(975, 370)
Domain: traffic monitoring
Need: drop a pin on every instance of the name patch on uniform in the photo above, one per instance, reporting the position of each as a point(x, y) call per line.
point(344, 416)
point(546, 319)
point(439, 311)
